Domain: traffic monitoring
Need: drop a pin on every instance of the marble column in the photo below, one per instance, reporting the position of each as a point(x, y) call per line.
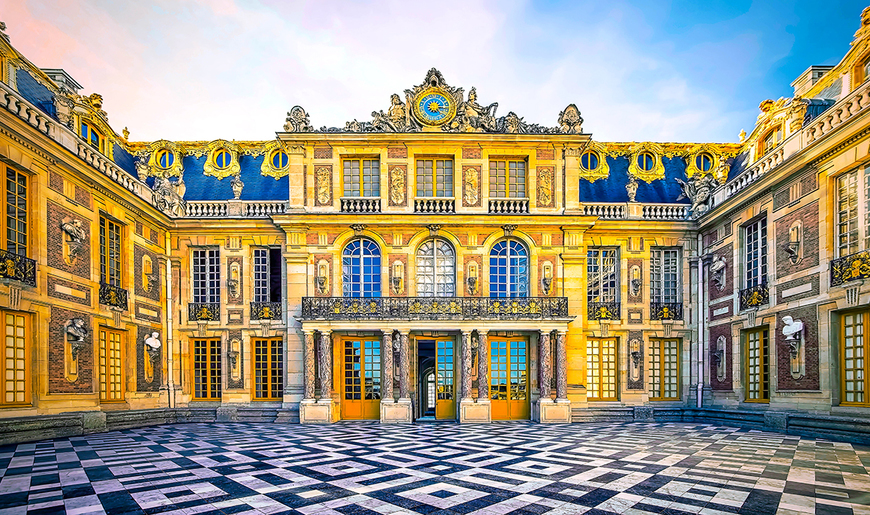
point(325, 364)
point(561, 367)
point(465, 391)
point(387, 364)
point(544, 366)
point(404, 368)
point(308, 367)
point(482, 367)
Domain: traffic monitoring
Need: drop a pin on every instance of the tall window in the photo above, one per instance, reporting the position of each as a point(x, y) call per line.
point(362, 178)
point(509, 270)
point(664, 373)
point(757, 366)
point(434, 178)
point(507, 179)
point(756, 253)
point(16, 186)
point(206, 369)
point(601, 369)
point(436, 269)
point(15, 386)
point(268, 369)
point(853, 212)
point(361, 269)
point(111, 365)
point(206, 276)
point(665, 275)
point(93, 137)
point(267, 275)
point(854, 351)
point(110, 252)
point(602, 275)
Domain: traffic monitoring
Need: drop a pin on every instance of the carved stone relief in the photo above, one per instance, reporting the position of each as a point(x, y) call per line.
point(471, 186)
point(545, 186)
point(75, 243)
point(398, 188)
point(323, 185)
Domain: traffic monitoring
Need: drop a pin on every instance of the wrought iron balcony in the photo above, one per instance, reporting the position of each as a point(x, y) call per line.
point(113, 296)
point(603, 311)
point(434, 308)
point(265, 311)
point(18, 268)
point(666, 310)
point(203, 311)
point(754, 296)
point(853, 267)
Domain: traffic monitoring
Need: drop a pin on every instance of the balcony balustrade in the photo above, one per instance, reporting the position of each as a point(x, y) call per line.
point(434, 205)
point(113, 296)
point(853, 267)
point(666, 310)
point(754, 296)
point(18, 268)
point(508, 205)
point(203, 311)
point(360, 205)
point(434, 308)
point(603, 311)
point(266, 310)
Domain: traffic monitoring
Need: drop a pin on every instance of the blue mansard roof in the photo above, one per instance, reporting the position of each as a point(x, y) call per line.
point(35, 93)
point(257, 186)
point(612, 188)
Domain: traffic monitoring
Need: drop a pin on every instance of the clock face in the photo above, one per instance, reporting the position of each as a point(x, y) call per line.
point(434, 106)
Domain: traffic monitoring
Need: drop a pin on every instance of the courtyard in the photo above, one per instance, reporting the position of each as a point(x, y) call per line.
point(365, 468)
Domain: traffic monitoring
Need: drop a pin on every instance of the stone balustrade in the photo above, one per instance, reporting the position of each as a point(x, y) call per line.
point(608, 211)
point(665, 211)
point(434, 205)
point(360, 205)
point(508, 205)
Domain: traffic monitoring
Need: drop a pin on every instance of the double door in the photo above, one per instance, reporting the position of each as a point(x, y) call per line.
point(361, 379)
point(509, 378)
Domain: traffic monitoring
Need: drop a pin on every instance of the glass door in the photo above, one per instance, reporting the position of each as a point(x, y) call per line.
point(509, 373)
point(361, 379)
point(445, 401)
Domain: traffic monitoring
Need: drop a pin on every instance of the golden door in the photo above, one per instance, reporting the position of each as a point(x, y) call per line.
point(445, 385)
point(509, 378)
point(111, 365)
point(361, 379)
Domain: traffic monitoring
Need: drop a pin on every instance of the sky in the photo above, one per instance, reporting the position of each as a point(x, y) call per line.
point(683, 70)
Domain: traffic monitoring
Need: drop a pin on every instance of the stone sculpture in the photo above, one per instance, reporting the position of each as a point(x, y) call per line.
point(717, 272)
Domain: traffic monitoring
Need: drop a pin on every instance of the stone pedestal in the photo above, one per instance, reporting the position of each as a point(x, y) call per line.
point(316, 412)
point(548, 411)
point(471, 412)
point(398, 412)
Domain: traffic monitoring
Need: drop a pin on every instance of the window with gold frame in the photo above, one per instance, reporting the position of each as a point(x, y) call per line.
point(434, 178)
point(268, 369)
point(361, 177)
point(601, 369)
point(15, 223)
point(15, 387)
point(854, 366)
point(507, 178)
point(206, 369)
point(110, 251)
point(664, 374)
point(771, 139)
point(93, 136)
point(757, 364)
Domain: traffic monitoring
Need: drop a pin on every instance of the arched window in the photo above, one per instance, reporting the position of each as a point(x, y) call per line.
point(93, 137)
point(436, 269)
point(361, 269)
point(509, 270)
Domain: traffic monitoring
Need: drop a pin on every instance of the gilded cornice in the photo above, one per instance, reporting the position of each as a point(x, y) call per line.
point(720, 153)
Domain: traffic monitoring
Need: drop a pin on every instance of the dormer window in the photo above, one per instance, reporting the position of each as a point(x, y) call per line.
point(223, 158)
point(93, 137)
point(771, 139)
point(646, 161)
point(704, 162)
point(589, 161)
point(165, 158)
point(279, 159)
point(866, 69)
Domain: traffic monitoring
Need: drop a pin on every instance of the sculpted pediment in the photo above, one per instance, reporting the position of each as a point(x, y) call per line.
point(434, 105)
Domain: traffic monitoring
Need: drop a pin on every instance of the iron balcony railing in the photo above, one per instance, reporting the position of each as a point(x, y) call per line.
point(203, 311)
point(113, 296)
point(434, 308)
point(603, 310)
point(666, 310)
point(265, 311)
point(18, 268)
point(853, 267)
point(754, 296)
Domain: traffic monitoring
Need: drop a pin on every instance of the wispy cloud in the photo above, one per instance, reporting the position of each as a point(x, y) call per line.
point(206, 69)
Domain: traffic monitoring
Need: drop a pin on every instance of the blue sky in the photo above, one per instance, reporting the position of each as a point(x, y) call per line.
point(208, 69)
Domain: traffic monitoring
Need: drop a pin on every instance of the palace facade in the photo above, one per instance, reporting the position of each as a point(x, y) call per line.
point(442, 261)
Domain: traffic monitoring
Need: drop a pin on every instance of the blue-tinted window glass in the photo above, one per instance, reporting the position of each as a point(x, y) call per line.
point(165, 159)
point(279, 159)
point(508, 270)
point(589, 161)
point(223, 159)
point(645, 161)
point(361, 269)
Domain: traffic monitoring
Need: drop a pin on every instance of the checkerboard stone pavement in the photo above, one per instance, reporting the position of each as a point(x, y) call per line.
point(361, 468)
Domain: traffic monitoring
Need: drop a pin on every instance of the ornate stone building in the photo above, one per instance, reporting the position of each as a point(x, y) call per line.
point(440, 261)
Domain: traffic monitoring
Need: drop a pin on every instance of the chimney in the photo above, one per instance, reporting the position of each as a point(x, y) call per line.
point(62, 79)
point(807, 79)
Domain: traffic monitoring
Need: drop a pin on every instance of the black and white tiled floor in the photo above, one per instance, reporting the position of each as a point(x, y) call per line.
point(358, 468)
